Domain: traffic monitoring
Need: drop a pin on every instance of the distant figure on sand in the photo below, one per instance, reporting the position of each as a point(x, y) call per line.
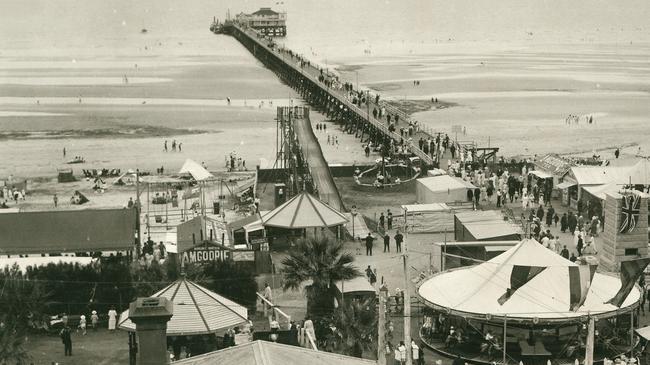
point(165, 148)
point(64, 152)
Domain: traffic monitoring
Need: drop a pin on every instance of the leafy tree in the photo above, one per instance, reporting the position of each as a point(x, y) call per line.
point(321, 262)
point(356, 321)
point(22, 304)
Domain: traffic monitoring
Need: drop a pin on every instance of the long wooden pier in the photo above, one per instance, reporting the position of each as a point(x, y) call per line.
point(316, 86)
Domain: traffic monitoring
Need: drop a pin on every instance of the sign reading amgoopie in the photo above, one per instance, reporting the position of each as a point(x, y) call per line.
point(204, 254)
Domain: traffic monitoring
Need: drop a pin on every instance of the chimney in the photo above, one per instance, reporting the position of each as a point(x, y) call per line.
point(150, 316)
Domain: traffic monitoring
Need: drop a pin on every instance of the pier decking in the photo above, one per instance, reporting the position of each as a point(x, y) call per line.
point(304, 76)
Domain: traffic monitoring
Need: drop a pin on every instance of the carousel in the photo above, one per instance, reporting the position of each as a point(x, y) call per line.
point(491, 313)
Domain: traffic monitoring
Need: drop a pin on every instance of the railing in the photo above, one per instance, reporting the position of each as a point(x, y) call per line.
point(253, 35)
point(275, 311)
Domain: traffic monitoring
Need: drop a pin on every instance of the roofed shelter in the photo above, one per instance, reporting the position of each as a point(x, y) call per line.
point(197, 310)
point(271, 353)
point(433, 217)
point(358, 287)
point(304, 211)
point(68, 231)
point(442, 189)
point(488, 225)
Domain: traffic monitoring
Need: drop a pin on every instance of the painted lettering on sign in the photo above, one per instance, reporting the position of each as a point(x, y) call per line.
point(199, 255)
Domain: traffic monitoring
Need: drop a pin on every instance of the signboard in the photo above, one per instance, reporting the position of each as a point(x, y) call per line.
point(243, 255)
point(204, 254)
point(259, 240)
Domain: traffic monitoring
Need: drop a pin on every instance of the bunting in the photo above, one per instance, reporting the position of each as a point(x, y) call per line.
point(519, 277)
point(630, 272)
point(579, 283)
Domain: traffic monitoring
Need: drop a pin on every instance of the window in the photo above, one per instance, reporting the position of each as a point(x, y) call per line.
point(631, 252)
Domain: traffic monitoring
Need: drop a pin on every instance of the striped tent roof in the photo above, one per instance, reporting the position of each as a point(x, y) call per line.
point(304, 211)
point(196, 310)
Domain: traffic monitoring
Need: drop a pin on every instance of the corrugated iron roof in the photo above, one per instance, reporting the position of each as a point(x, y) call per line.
point(196, 310)
point(271, 353)
point(554, 164)
point(357, 285)
point(444, 183)
point(598, 175)
point(265, 12)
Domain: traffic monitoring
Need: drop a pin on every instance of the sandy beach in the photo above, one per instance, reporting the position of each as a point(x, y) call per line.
point(518, 99)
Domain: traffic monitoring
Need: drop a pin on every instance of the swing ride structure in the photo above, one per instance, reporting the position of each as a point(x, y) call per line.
point(172, 200)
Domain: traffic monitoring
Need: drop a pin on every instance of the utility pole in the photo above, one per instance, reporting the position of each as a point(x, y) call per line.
point(137, 213)
point(407, 309)
point(589, 349)
point(381, 325)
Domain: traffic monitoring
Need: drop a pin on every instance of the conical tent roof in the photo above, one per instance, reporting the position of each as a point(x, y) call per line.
point(476, 289)
point(196, 310)
point(304, 211)
point(639, 173)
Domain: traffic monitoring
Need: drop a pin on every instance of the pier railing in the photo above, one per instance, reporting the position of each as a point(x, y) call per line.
point(311, 74)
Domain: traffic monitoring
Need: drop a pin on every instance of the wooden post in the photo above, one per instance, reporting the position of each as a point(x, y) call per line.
point(381, 326)
point(589, 349)
point(407, 310)
point(632, 333)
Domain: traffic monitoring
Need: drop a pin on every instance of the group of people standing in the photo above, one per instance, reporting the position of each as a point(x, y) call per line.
point(174, 146)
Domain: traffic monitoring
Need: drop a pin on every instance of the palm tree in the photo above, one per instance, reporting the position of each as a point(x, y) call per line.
point(321, 262)
point(356, 321)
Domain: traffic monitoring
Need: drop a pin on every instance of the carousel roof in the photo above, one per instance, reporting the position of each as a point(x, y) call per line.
point(196, 310)
point(304, 211)
point(477, 289)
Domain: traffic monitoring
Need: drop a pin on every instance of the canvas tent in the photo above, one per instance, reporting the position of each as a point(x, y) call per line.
point(441, 189)
point(196, 311)
point(304, 211)
point(198, 172)
point(475, 290)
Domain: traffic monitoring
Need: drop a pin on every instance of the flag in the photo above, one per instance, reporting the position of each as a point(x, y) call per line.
point(629, 213)
point(579, 282)
point(630, 272)
point(519, 277)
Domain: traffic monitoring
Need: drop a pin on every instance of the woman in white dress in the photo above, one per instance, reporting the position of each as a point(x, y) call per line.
point(112, 319)
point(309, 327)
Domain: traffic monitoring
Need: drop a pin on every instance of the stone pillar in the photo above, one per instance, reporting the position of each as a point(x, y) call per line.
point(612, 245)
point(150, 316)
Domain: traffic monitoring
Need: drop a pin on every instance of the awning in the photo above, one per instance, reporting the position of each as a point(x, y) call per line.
point(643, 332)
point(566, 185)
point(497, 248)
point(541, 174)
point(426, 208)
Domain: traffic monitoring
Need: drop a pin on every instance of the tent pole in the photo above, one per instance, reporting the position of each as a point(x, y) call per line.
point(505, 334)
